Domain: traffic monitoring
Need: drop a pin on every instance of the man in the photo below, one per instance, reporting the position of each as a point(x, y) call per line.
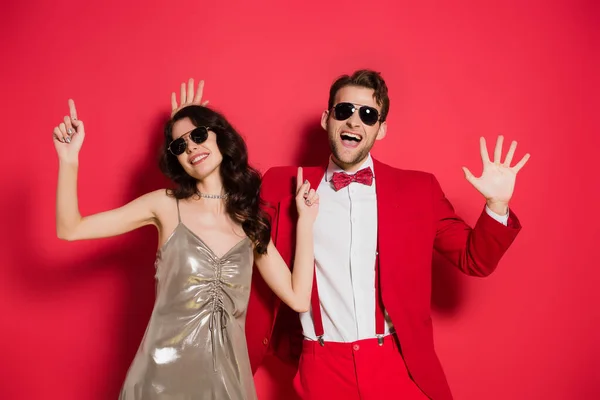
point(368, 334)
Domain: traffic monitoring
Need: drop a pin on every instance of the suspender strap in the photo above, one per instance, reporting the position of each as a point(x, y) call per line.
point(316, 309)
point(379, 309)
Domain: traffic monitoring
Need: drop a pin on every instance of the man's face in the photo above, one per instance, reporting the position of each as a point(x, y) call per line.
point(352, 139)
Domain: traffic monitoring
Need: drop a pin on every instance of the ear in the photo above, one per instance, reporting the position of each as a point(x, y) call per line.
point(324, 118)
point(382, 131)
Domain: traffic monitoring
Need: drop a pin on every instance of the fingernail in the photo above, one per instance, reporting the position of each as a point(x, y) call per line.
point(70, 131)
point(306, 181)
point(68, 140)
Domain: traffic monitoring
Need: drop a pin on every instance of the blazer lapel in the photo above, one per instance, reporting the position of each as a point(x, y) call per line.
point(314, 175)
point(389, 229)
point(287, 213)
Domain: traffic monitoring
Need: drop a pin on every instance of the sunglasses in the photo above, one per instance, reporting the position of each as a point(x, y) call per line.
point(198, 136)
point(368, 115)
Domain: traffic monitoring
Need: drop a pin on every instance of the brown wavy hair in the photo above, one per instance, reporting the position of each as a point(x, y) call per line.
point(241, 182)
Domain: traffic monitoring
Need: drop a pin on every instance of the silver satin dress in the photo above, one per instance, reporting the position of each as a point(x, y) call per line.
point(194, 346)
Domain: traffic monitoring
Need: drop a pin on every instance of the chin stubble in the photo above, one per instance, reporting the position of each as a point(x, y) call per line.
point(355, 159)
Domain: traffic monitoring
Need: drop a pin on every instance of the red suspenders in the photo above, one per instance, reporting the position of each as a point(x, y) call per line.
point(379, 309)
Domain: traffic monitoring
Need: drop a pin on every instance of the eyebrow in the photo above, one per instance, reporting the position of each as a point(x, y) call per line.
point(376, 106)
point(184, 134)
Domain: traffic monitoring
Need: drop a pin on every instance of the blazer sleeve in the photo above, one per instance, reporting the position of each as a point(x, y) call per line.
point(286, 339)
point(475, 251)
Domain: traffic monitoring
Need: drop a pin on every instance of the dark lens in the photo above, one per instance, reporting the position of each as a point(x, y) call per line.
point(368, 115)
point(343, 111)
point(199, 135)
point(177, 146)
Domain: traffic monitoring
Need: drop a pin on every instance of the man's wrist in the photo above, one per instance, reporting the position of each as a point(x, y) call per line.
point(500, 208)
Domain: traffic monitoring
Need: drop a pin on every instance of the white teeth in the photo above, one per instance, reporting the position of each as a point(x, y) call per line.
point(198, 158)
point(352, 135)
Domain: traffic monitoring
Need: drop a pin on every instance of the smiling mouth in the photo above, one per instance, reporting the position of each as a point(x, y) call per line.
point(350, 140)
point(351, 137)
point(198, 159)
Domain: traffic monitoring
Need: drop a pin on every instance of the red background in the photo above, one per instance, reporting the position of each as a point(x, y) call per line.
point(73, 314)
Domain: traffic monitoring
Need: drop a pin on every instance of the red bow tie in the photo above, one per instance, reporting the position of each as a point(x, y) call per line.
point(341, 179)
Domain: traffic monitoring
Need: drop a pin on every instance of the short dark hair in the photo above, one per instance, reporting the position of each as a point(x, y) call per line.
point(364, 78)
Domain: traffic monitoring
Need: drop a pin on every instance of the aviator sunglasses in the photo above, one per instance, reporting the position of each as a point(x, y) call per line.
point(198, 136)
point(368, 115)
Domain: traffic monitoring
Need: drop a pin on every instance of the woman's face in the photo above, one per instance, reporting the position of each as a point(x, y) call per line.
point(199, 160)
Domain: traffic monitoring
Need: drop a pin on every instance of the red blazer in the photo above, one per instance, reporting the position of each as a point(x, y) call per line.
point(414, 220)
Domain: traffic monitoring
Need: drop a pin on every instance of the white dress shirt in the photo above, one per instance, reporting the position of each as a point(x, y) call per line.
point(345, 243)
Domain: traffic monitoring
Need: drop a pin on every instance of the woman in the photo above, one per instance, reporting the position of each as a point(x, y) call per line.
point(211, 230)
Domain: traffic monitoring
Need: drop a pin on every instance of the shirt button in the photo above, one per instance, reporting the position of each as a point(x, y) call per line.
point(265, 341)
point(356, 347)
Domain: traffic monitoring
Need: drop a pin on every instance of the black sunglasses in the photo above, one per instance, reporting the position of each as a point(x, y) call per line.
point(368, 115)
point(198, 136)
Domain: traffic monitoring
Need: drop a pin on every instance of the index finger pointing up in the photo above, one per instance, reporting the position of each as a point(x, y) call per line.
point(72, 109)
point(299, 179)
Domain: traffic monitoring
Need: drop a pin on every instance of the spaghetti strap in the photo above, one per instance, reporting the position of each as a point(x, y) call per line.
point(178, 215)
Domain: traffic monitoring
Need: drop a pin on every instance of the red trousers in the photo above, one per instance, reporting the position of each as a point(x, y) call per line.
point(361, 370)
